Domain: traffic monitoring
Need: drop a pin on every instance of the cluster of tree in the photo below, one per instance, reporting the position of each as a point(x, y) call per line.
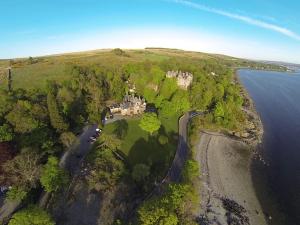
point(213, 89)
point(40, 123)
point(105, 168)
point(170, 208)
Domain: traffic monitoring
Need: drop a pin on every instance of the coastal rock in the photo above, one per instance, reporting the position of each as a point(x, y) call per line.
point(250, 125)
point(237, 134)
point(245, 135)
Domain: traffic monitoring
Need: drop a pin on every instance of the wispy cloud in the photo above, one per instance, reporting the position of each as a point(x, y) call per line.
point(246, 19)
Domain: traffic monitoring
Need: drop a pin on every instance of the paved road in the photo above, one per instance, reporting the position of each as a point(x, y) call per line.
point(7, 209)
point(174, 172)
point(72, 158)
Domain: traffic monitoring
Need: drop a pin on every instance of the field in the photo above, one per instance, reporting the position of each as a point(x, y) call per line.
point(140, 147)
point(29, 75)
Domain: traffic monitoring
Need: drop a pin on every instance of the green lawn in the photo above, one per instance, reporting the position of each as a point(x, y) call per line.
point(140, 147)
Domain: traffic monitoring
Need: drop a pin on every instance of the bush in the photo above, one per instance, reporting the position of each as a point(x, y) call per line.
point(119, 52)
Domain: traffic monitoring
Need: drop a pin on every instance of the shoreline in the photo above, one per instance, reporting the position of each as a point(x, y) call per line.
point(228, 191)
point(265, 195)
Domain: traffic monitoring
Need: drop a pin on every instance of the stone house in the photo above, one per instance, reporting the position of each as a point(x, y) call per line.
point(184, 79)
point(131, 105)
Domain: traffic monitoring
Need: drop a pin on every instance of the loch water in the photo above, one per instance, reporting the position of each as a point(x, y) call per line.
point(276, 96)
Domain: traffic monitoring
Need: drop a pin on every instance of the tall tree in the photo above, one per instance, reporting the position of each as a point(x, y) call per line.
point(25, 116)
point(150, 122)
point(53, 177)
point(23, 170)
point(56, 119)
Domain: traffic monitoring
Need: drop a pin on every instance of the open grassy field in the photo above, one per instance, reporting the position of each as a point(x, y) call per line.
point(34, 75)
point(140, 147)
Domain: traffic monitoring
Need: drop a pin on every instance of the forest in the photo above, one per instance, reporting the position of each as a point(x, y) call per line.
point(39, 122)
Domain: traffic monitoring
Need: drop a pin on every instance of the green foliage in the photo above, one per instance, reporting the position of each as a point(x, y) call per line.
point(111, 141)
point(5, 102)
point(105, 169)
point(67, 138)
point(33, 215)
point(157, 74)
point(168, 88)
point(219, 111)
point(181, 101)
point(56, 119)
point(190, 170)
point(117, 87)
point(158, 101)
point(53, 177)
point(16, 194)
point(25, 116)
point(163, 139)
point(150, 122)
point(6, 133)
point(140, 172)
point(149, 95)
point(167, 109)
point(166, 209)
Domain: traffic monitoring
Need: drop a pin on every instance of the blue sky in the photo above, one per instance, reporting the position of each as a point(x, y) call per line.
point(256, 29)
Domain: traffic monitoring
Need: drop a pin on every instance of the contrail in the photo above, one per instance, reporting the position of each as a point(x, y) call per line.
point(245, 19)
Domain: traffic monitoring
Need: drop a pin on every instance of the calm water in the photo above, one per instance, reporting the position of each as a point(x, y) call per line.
point(277, 100)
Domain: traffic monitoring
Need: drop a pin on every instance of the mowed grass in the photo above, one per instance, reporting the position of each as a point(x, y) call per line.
point(139, 146)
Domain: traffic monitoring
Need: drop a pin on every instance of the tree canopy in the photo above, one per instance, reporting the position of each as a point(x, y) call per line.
point(150, 122)
point(52, 176)
point(32, 215)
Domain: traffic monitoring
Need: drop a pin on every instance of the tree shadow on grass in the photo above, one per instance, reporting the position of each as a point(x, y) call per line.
point(121, 128)
point(154, 154)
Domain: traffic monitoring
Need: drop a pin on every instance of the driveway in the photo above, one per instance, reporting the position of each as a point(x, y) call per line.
point(181, 154)
point(71, 159)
